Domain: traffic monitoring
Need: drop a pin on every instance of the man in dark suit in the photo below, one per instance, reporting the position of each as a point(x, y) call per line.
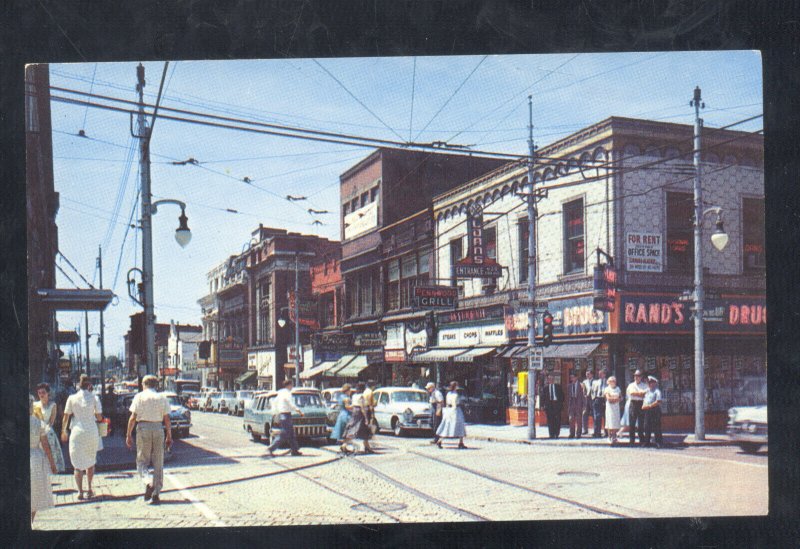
point(576, 405)
point(552, 399)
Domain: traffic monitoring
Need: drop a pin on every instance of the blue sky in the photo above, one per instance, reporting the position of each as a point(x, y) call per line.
point(480, 100)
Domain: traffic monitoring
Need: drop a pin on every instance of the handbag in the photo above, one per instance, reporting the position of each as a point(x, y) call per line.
point(102, 427)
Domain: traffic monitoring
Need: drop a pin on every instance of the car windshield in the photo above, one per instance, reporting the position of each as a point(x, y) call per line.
point(307, 400)
point(228, 395)
point(409, 396)
point(173, 400)
point(246, 394)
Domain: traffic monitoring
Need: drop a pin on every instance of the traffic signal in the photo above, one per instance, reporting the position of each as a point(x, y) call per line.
point(547, 328)
point(204, 350)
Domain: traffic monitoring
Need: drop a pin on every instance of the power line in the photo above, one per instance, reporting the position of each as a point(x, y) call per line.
point(452, 95)
point(351, 94)
point(413, 89)
point(91, 87)
point(65, 258)
point(125, 238)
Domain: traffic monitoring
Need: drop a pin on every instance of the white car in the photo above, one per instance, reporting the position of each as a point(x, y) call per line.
point(747, 427)
point(242, 400)
point(402, 409)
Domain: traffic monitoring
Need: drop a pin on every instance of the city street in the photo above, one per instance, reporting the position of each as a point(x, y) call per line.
point(219, 477)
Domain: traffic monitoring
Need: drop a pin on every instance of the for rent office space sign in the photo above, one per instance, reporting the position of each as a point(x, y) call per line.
point(643, 252)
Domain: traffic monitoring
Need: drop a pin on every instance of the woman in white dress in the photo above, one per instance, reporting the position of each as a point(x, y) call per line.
point(84, 411)
point(613, 396)
point(452, 425)
point(41, 489)
point(45, 410)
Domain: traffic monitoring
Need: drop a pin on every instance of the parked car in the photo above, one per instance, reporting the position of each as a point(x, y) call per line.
point(242, 400)
point(223, 401)
point(207, 403)
point(260, 421)
point(190, 399)
point(402, 409)
point(747, 427)
point(180, 418)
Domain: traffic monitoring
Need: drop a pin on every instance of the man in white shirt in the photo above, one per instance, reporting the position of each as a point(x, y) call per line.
point(587, 390)
point(283, 405)
point(635, 392)
point(652, 412)
point(150, 414)
point(598, 402)
point(437, 404)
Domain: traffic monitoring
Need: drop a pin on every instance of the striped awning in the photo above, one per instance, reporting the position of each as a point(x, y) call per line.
point(472, 354)
point(353, 368)
point(570, 350)
point(316, 370)
point(438, 354)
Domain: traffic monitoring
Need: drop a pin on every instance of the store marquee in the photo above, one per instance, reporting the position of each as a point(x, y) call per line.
point(654, 313)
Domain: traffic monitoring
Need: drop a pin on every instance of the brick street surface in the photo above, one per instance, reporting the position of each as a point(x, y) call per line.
point(218, 477)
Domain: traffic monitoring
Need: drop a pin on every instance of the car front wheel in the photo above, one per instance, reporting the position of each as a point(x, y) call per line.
point(396, 428)
point(750, 447)
point(255, 436)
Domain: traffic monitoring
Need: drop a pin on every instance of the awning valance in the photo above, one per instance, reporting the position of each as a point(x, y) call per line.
point(472, 354)
point(246, 377)
point(78, 299)
point(570, 350)
point(316, 370)
point(353, 367)
point(438, 354)
point(511, 351)
point(339, 364)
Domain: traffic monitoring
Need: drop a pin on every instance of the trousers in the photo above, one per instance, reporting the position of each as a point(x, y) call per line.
point(587, 413)
point(598, 414)
point(150, 450)
point(435, 421)
point(652, 425)
point(286, 434)
point(636, 421)
point(553, 420)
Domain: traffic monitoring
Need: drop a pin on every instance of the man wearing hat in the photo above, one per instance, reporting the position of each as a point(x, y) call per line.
point(437, 403)
point(635, 392)
point(652, 412)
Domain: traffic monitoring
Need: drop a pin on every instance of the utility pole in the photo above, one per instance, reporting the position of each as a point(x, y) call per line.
point(699, 341)
point(531, 199)
point(147, 230)
point(88, 364)
point(296, 321)
point(102, 328)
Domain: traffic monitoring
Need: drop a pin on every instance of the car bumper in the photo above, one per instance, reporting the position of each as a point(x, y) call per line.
point(176, 424)
point(422, 424)
point(309, 431)
point(748, 432)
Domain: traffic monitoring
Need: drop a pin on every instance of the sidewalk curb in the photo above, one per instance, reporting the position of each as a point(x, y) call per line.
point(604, 443)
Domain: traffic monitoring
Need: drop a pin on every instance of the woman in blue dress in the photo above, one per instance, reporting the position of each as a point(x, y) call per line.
point(452, 425)
point(343, 400)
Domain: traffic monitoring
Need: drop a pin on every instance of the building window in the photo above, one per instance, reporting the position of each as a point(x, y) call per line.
point(522, 231)
point(574, 253)
point(364, 198)
point(393, 274)
point(753, 234)
point(346, 208)
point(354, 204)
point(680, 234)
point(374, 194)
point(456, 253)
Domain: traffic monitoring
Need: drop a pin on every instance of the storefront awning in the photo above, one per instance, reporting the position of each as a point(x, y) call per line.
point(316, 370)
point(75, 299)
point(472, 354)
point(246, 377)
point(353, 367)
point(570, 350)
point(339, 364)
point(438, 355)
point(511, 351)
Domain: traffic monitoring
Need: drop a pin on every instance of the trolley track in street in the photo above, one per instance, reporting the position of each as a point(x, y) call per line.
point(574, 503)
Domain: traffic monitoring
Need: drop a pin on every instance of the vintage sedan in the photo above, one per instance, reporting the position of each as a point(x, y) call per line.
point(402, 409)
point(242, 400)
point(747, 427)
point(261, 421)
point(180, 417)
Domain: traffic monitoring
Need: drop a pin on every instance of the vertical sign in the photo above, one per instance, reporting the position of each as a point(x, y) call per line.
point(476, 264)
point(605, 287)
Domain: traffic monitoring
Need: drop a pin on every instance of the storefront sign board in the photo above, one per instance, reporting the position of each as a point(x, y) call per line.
point(665, 313)
point(643, 252)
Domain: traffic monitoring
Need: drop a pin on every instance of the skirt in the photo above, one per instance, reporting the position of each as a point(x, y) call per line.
point(357, 426)
point(41, 490)
point(625, 421)
point(55, 449)
point(452, 425)
point(612, 415)
point(339, 426)
point(83, 446)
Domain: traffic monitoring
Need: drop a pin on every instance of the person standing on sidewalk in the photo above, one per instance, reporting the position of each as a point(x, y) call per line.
point(613, 395)
point(576, 405)
point(46, 410)
point(369, 403)
point(552, 401)
point(150, 415)
point(652, 412)
point(587, 390)
point(437, 404)
point(81, 415)
point(598, 402)
point(284, 405)
point(42, 464)
point(452, 425)
point(635, 392)
point(357, 427)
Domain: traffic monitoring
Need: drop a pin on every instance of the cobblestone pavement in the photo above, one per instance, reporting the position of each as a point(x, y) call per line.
point(218, 477)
